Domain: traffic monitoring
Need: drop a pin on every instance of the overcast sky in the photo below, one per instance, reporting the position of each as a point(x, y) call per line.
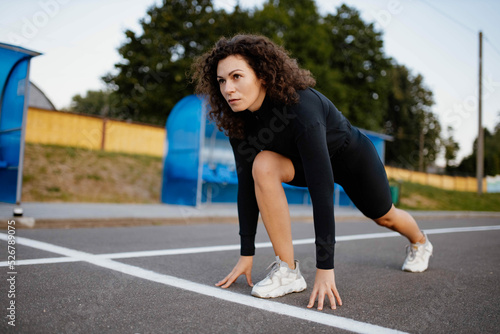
point(437, 39)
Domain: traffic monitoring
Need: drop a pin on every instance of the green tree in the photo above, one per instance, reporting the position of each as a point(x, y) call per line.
point(451, 148)
point(409, 119)
point(100, 102)
point(491, 155)
point(362, 86)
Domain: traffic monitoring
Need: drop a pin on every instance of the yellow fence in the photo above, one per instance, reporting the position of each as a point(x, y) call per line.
point(94, 133)
point(134, 138)
point(456, 183)
point(67, 129)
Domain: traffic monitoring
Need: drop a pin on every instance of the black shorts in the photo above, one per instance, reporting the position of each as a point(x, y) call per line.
point(359, 170)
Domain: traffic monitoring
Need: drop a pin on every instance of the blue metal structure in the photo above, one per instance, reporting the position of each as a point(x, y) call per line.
point(14, 86)
point(181, 167)
point(199, 165)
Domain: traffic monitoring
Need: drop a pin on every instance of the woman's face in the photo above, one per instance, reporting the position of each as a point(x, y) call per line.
point(239, 85)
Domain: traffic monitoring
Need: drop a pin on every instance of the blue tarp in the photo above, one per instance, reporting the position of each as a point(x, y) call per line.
point(14, 85)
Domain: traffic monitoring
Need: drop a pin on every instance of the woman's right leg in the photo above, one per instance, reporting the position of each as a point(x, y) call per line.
point(402, 222)
point(270, 169)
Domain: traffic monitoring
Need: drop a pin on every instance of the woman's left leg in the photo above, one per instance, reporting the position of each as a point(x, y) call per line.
point(270, 169)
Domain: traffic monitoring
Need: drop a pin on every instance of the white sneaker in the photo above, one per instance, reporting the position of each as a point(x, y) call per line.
point(280, 281)
point(417, 256)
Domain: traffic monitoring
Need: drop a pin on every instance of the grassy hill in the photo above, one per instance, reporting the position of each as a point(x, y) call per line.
point(66, 174)
point(420, 197)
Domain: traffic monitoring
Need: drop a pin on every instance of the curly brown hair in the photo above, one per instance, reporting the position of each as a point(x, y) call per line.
point(281, 74)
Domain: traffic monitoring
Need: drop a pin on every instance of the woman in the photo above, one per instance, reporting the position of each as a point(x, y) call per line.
point(282, 130)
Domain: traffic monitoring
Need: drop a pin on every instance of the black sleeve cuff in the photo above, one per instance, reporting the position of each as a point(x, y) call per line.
point(247, 245)
point(324, 256)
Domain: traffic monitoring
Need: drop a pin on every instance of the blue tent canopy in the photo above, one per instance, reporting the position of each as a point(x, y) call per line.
point(14, 85)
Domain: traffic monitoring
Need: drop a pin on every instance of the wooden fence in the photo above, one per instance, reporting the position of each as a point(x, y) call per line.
point(94, 133)
point(456, 183)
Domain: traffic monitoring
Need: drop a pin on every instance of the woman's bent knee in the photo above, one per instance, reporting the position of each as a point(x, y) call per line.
point(388, 219)
point(270, 165)
point(384, 222)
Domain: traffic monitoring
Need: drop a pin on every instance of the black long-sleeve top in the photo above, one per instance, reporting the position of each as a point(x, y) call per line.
point(311, 131)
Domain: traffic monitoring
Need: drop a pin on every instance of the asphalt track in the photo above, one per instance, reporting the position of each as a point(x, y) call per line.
point(160, 279)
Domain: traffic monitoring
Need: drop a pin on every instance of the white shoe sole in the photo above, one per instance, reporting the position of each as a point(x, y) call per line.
point(296, 286)
point(419, 269)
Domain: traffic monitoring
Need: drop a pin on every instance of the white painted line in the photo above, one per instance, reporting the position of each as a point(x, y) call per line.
point(47, 260)
point(248, 301)
point(208, 249)
point(462, 229)
point(307, 241)
point(178, 251)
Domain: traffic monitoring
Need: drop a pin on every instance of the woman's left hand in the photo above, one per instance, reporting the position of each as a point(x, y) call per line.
point(324, 284)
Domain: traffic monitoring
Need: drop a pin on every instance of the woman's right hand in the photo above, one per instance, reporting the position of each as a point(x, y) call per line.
point(243, 267)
